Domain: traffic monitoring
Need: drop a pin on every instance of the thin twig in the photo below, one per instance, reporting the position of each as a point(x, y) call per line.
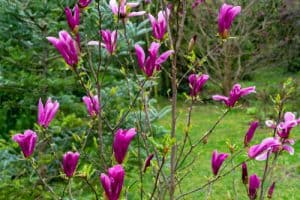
point(211, 181)
point(90, 185)
point(186, 132)
point(205, 136)
point(43, 181)
point(157, 176)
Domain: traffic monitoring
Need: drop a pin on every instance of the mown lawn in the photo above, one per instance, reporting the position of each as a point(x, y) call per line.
point(232, 129)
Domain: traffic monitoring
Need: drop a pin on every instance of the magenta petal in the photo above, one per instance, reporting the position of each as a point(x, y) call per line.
point(66, 46)
point(244, 173)
point(121, 143)
point(254, 183)
point(289, 149)
point(47, 113)
point(289, 116)
point(92, 104)
point(226, 16)
point(271, 190)
point(264, 146)
point(153, 49)
point(217, 160)
point(84, 3)
point(163, 57)
point(196, 83)
point(106, 183)
point(250, 133)
point(114, 6)
point(132, 4)
point(113, 182)
point(70, 161)
point(140, 54)
point(246, 91)
point(219, 98)
point(134, 14)
point(40, 112)
point(26, 141)
point(148, 162)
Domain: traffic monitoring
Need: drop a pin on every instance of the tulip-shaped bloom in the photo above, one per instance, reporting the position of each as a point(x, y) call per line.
point(26, 141)
point(254, 184)
point(112, 183)
point(196, 3)
point(284, 128)
point(109, 40)
point(159, 26)
point(217, 160)
point(226, 16)
point(262, 150)
point(250, 133)
point(271, 190)
point(47, 113)
point(121, 143)
point(124, 7)
point(244, 173)
point(84, 3)
point(92, 105)
point(73, 18)
point(281, 145)
point(148, 162)
point(153, 61)
point(196, 83)
point(67, 47)
point(70, 161)
point(236, 92)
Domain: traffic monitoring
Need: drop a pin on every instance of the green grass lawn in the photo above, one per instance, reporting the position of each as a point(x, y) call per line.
point(232, 128)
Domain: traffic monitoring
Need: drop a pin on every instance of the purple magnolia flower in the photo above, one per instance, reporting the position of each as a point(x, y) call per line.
point(226, 16)
point(26, 141)
point(284, 128)
point(254, 184)
point(244, 173)
point(92, 105)
point(121, 143)
point(73, 19)
point(217, 160)
point(159, 26)
point(196, 3)
point(110, 40)
point(67, 47)
point(47, 113)
point(112, 183)
point(148, 162)
point(250, 133)
point(235, 93)
point(271, 190)
point(124, 8)
point(70, 161)
point(196, 83)
point(84, 3)
point(261, 151)
point(153, 61)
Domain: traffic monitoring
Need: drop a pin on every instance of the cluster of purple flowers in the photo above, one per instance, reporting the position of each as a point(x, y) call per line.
point(113, 181)
point(280, 142)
